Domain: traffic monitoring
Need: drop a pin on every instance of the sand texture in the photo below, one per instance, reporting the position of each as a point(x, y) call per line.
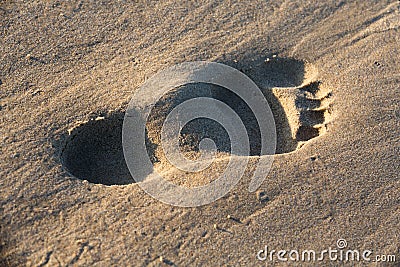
point(330, 71)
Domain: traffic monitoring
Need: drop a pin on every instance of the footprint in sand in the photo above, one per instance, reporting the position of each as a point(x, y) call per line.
point(301, 106)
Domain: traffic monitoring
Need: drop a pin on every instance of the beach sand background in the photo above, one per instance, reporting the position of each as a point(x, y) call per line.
point(334, 92)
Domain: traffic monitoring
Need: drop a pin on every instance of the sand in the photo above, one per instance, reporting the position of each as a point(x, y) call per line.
point(329, 69)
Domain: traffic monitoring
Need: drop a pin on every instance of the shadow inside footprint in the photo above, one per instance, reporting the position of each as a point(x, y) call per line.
point(295, 104)
point(275, 72)
point(198, 129)
point(93, 152)
point(285, 73)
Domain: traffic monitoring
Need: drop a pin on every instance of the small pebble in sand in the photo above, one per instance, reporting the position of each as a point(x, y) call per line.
point(161, 259)
point(377, 64)
point(228, 217)
point(36, 92)
point(262, 196)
